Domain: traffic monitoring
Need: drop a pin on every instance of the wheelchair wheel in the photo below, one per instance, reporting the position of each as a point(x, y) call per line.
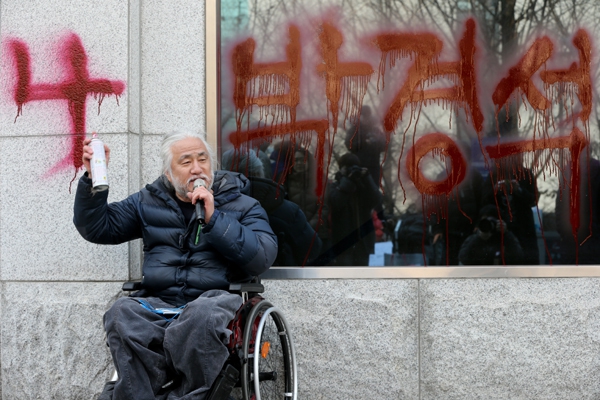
point(269, 367)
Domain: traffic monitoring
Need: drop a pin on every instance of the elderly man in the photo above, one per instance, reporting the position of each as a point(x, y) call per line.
point(187, 267)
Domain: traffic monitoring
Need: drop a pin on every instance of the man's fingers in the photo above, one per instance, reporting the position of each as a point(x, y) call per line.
point(87, 155)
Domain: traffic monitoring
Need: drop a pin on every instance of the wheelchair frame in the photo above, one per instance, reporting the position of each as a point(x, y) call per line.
point(252, 370)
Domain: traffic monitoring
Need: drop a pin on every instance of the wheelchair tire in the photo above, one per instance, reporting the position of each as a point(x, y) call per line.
point(269, 365)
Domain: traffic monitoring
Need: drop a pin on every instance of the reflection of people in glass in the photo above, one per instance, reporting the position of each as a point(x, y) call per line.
point(413, 236)
point(367, 142)
point(297, 241)
point(462, 214)
point(491, 243)
point(585, 249)
point(515, 199)
point(352, 197)
point(294, 167)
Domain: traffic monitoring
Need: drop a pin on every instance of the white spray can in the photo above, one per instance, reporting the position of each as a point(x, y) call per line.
point(98, 165)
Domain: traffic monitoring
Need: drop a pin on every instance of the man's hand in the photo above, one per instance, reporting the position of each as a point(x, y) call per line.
point(87, 155)
point(356, 173)
point(492, 225)
point(202, 193)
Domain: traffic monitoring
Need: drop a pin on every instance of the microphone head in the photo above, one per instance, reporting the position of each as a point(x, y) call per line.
point(198, 183)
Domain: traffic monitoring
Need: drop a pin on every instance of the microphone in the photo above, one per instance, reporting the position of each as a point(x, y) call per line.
point(200, 203)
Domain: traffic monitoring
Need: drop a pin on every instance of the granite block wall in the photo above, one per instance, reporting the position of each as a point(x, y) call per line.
point(510, 338)
point(54, 286)
point(434, 339)
point(355, 339)
point(52, 339)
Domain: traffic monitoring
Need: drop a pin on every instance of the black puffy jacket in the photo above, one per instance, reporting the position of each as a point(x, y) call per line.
point(236, 244)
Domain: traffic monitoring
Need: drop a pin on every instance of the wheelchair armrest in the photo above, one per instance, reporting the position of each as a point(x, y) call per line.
point(131, 286)
point(249, 287)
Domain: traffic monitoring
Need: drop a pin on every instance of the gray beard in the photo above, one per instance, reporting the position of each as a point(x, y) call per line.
point(181, 189)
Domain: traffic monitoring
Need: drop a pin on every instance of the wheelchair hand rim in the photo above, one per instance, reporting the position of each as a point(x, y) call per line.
point(261, 324)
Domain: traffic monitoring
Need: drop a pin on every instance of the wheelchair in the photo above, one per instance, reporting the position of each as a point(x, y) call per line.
point(262, 360)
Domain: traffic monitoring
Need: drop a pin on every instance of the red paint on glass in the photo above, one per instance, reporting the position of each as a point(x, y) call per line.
point(276, 86)
point(425, 49)
point(435, 193)
point(263, 84)
point(519, 77)
point(574, 144)
point(443, 146)
point(578, 75)
point(354, 75)
point(295, 130)
point(75, 89)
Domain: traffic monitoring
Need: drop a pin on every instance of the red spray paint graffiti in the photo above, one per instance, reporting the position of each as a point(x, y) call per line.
point(424, 50)
point(579, 76)
point(300, 128)
point(520, 77)
point(267, 78)
point(574, 144)
point(436, 142)
point(271, 78)
point(337, 73)
point(75, 89)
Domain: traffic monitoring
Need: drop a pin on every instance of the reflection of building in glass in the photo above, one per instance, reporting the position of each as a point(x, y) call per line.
point(235, 16)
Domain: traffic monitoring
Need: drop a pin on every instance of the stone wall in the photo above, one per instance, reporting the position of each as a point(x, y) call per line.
point(55, 286)
point(524, 338)
point(444, 338)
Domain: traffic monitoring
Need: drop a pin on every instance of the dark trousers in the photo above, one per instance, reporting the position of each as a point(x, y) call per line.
point(149, 351)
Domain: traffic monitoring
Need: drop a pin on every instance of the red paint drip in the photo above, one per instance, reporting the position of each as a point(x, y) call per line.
point(442, 145)
point(574, 143)
point(262, 84)
point(577, 75)
point(468, 74)
point(425, 49)
point(336, 72)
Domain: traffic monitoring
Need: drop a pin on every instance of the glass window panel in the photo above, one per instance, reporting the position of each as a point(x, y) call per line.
point(416, 133)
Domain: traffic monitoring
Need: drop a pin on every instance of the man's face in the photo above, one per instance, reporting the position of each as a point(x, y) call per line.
point(190, 162)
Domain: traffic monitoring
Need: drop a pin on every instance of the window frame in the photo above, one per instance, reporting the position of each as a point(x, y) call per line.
point(212, 104)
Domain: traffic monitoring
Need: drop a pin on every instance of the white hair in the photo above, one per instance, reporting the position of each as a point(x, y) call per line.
point(170, 139)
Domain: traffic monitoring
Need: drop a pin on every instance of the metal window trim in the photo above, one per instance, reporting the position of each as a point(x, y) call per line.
point(286, 273)
point(212, 69)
